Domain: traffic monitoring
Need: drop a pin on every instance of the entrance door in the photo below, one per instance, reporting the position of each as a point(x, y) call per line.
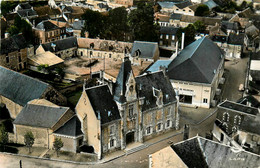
point(185, 99)
point(130, 137)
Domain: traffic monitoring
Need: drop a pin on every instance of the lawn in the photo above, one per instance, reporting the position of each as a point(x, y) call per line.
point(73, 97)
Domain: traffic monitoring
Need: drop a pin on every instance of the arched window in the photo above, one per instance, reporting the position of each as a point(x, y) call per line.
point(237, 120)
point(225, 117)
point(225, 127)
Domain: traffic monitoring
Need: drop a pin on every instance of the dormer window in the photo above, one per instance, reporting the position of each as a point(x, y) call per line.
point(137, 53)
point(131, 88)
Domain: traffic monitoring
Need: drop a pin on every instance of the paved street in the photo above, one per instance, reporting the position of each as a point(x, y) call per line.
point(237, 74)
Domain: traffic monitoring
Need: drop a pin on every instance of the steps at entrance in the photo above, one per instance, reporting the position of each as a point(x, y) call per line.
point(136, 149)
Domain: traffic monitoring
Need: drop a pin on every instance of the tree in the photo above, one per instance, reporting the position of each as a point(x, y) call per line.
point(199, 26)
point(118, 26)
point(57, 144)
point(95, 24)
point(189, 34)
point(141, 21)
point(29, 140)
point(3, 137)
point(202, 10)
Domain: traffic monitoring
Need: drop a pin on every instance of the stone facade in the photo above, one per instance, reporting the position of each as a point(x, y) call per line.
point(43, 36)
point(16, 60)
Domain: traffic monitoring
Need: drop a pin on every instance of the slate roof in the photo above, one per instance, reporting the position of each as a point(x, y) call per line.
point(25, 6)
point(230, 25)
point(238, 107)
point(167, 4)
point(249, 99)
point(102, 103)
point(145, 84)
point(251, 124)
point(168, 30)
point(12, 44)
point(120, 85)
point(77, 25)
point(236, 39)
point(46, 10)
point(46, 26)
point(222, 39)
point(26, 12)
point(39, 19)
point(20, 88)
point(205, 20)
point(211, 4)
point(147, 49)
point(255, 56)
point(156, 66)
point(200, 152)
point(183, 4)
point(194, 64)
point(247, 13)
point(61, 44)
point(176, 16)
point(70, 128)
point(40, 115)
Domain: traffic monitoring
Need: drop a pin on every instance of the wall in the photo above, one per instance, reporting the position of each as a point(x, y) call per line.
point(14, 62)
point(100, 54)
point(91, 126)
point(13, 108)
point(63, 54)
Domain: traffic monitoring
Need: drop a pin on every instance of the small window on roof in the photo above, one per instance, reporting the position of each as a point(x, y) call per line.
point(109, 113)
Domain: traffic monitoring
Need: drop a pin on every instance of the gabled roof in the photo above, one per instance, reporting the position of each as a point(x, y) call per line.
point(194, 64)
point(26, 12)
point(236, 39)
point(246, 13)
point(145, 85)
point(168, 30)
point(70, 128)
point(46, 10)
point(251, 124)
point(40, 115)
point(46, 58)
point(61, 44)
point(159, 63)
point(201, 152)
point(176, 16)
point(20, 88)
point(147, 49)
point(205, 20)
point(25, 5)
point(238, 107)
point(122, 77)
point(103, 104)
point(39, 19)
point(230, 25)
point(183, 4)
point(12, 44)
point(46, 26)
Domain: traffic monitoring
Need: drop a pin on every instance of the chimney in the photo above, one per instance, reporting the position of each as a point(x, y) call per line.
point(186, 132)
point(182, 40)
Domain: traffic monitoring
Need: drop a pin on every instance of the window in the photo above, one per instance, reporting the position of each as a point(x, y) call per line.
point(167, 36)
point(7, 59)
point(205, 100)
point(112, 130)
point(159, 126)
point(112, 143)
point(225, 117)
point(237, 120)
point(131, 110)
point(183, 10)
point(173, 37)
point(148, 130)
point(189, 10)
point(110, 55)
point(19, 58)
point(81, 53)
point(168, 123)
point(24, 65)
point(90, 53)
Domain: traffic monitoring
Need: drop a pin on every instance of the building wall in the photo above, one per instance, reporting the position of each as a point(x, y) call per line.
point(47, 36)
point(91, 126)
point(89, 53)
point(108, 136)
point(13, 108)
point(175, 9)
point(54, 96)
point(43, 136)
point(154, 117)
point(167, 40)
point(69, 143)
point(253, 140)
point(68, 53)
point(124, 2)
point(196, 90)
point(16, 60)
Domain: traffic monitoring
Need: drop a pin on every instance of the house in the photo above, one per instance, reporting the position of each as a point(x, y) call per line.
point(71, 135)
point(181, 7)
point(147, 104)
point(254, 75)
point(144, 51)
point(162, 20)
point(63, 25)
point(14, 52)
point(101, 122)
point(233, 44)
point(98, 48)
point(42, 121)
point(22, 6)
point(63, 48)
point(44, 59)
point(196, 74)
point(17, 89)
point(47, 10)
point(242, 17)
point(27, 13)
point(253, 34)
point(35, 21)
point(126, 3)
point(237, 124)
point(77, 27)
point(46, 32)
point(231, 27)
point(198, 152)
point(168, 37)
